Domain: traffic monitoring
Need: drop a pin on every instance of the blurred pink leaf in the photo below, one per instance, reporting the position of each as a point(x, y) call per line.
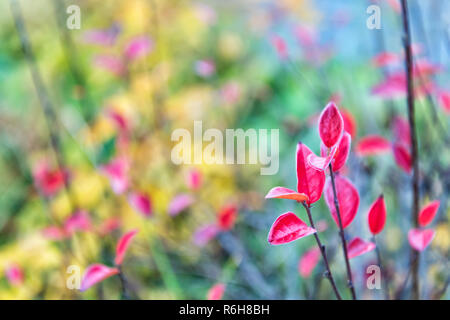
point(216, 292)
point(140, 203)
point(419, 239)
point(95, 273)
point(122, 246)
point(180, 203)
point(308, 262)
point(357, 247)
point(372, 145)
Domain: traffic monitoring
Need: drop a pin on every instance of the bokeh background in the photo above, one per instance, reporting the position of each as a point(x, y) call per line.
point(85, 153)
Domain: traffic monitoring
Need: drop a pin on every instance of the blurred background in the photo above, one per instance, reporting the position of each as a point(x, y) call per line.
point(86, 117)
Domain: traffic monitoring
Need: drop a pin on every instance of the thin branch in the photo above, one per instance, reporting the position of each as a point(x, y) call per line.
point(342, 235)
point(414, 259)
point(328, 273)
point(383, 271)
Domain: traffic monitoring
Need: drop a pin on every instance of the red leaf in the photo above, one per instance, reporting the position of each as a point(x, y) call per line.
point(393, 86)
point(285, 193)
point(80, 220)
point(401, 131)
point(349, 122)
point(310, 180)
point(444, 101)
point(385, 58)
point(204, 234)
point(95, 273)
point(322, 163)
point(227, 217)
point(122, 246)
point(372, 145)
point(402, 157)
point(216, 292)
point(377, 215)
point(288, 227)
point(14, 274)
point(428, 212)
point(357, 247)
point(419, 239)
point(179, 203)
point(348, 199)
point(308, 262)
point(141, 203)
point(331, 125)
point(342, 152)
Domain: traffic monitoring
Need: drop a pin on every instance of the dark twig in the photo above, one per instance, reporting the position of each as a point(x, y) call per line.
point(383, 271)
point(124, 284)
point(414, 255)
point(342, 235)
point(328, 273)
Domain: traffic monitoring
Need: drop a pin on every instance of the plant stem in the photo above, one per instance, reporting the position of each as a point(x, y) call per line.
point(328, 273)
point(342, 235)
point(414, 255)
point(383, 273)
point(124, 283)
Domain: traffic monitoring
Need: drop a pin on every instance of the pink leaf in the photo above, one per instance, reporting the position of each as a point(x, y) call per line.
point(141, 203)
point(204, 234)
point(110, 63)
point(372, 145)
point(402, 157)
point(377, 215)
point(54, 233)
point(122, 246)
point(108, 226)
point(349, 122)
point(322, 163)
point(80, 220)
point(138, 47)
point(331, 125)
point(179, 203)
point(205, 68)
point(194, 179)
point(288, 227)
point(401, 131)
point(342, 152)
point(308, 262)
point(393, 86)
point(428, 212)
point(348, 199)
point(48, 181)
point(310, 181)
point(357, 247)
point(285, 193)
point(419, 239)
point(117, 173)
point(227, 217)
point(444, 101)
point(385, 58)
point(280, 46)
point(95, 273)
point(14, 274)
point(216, 292)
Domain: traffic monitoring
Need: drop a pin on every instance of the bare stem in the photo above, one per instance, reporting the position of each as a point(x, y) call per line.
point(414, 255)
point(383, 273)
point(342, 235)
point(124, 284)
point(328, 273)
